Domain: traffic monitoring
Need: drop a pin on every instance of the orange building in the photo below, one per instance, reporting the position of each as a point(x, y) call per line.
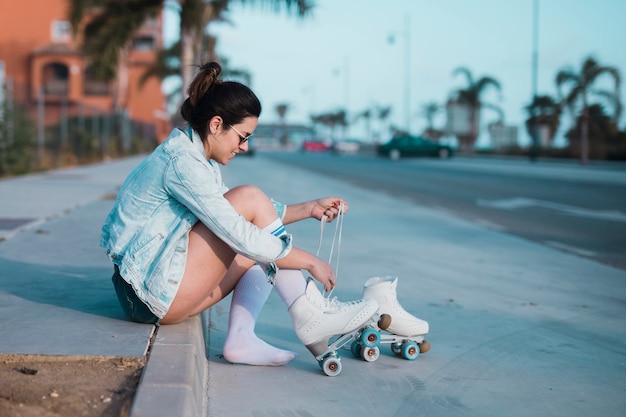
point(44, 62)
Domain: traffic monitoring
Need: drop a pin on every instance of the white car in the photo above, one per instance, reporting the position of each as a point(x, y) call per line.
point(347, 146)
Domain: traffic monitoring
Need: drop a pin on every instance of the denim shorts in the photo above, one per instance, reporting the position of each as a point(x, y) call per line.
point(134, 308)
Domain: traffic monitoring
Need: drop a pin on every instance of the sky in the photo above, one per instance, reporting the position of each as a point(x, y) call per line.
point(342, 57)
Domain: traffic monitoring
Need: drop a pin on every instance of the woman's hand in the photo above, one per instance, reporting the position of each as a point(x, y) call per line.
point(329, 207)
point(303, 260)
point(317, 209)
point(324, 273)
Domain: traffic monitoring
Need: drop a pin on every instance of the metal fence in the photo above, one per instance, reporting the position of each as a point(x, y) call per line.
point(31, 140)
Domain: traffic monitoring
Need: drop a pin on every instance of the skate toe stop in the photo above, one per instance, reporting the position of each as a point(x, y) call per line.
point(384, 321)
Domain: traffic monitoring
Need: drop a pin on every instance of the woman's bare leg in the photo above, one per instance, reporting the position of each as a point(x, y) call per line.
point(206, 279)
point(213, 268)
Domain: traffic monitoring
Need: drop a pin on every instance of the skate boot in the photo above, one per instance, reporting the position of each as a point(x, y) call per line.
point(383, 290)
point(316, 318)
point(407, 327)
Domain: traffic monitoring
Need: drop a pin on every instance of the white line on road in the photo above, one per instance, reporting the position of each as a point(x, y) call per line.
point(571, 249)
point(490, 225)
point(522, 202)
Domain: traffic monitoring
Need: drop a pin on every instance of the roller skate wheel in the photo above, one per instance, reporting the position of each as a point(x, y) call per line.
point(410, 350)
point(370, 338)
point(384, 321)
point(333, 355)
point(370, 354)
point(331, 366)
point(424, 346)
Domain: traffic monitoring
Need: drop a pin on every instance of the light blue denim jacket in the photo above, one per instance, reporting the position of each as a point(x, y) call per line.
point(147, 231)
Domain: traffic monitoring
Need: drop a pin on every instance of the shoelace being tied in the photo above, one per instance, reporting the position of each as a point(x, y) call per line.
point(336, 237)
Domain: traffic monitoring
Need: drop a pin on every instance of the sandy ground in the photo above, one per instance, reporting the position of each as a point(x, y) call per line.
point(52, 386)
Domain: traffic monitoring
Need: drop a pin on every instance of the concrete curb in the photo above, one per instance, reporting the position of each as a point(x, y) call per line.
point(175, 379)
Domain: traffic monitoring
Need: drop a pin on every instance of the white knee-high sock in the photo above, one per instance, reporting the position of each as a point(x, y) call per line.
point(251, 292)
point(242, 344)
point(290, 284)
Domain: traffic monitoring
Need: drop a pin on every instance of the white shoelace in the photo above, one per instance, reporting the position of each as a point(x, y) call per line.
point(336, 237)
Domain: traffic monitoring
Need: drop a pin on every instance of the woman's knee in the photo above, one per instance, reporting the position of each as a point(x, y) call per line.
point(246, 193)
point(252, 203)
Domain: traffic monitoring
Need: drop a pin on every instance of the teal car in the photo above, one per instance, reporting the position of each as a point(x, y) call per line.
point(410, 146)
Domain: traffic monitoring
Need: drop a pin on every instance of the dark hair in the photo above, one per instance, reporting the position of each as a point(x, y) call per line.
point(209, 96)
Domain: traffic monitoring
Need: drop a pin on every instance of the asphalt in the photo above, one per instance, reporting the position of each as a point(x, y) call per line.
point(516, 328)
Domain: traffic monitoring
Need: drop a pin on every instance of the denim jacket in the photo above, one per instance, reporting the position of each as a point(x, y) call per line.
point(147, 231)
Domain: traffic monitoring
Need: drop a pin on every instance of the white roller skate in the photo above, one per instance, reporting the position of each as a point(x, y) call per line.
point(317, 319)
point(405, 333)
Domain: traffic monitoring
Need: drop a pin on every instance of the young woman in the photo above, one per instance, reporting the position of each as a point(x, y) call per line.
point(180, 240)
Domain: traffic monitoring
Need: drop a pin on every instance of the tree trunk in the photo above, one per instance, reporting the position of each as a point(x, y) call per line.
point(468, 140)
point(186, 59)
point(191, 46)
point(584, 137)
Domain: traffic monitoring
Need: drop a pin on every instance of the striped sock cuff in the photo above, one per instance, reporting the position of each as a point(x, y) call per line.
point(276, 228)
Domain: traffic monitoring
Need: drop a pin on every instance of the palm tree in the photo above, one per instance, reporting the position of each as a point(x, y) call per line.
point(429, 111)
point(579, 95)
point(331, 120)
point(111, 25)
point(105, 38)
point(367, 116)
point(167, 64)
point(281, 110)
point(383, 113)
point(470, 98)
point(544, 118)
point(604, 131)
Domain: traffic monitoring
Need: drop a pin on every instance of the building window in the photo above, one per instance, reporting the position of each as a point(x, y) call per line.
point(55, 79)
point(93, 87)
point(151, 22)
point(143, 43)
point(60, 31)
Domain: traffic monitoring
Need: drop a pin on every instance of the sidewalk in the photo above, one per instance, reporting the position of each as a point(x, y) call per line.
point(517, 329)
point(56, 296)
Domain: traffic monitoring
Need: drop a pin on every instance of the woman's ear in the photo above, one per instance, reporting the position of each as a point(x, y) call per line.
point(214, 124)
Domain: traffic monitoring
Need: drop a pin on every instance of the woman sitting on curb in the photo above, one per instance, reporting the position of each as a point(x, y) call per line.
point(181, 241)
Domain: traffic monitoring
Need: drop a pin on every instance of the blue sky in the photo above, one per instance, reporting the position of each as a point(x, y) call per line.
point(341, 57)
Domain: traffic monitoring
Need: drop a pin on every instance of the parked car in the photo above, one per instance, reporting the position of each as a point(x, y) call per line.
point(316, 145)
point(404, 146)
point(347, 146)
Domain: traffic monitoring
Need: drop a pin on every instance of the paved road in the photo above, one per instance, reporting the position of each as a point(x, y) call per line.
point(517, 328)
point(560, 204)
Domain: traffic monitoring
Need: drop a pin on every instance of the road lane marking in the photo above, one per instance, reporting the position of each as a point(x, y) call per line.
point(490, 225)
point(571, 249)
point(522, 202)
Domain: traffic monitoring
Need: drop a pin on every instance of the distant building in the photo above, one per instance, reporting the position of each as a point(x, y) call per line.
point(269, 136)
point(502, 136)
point(43, 61)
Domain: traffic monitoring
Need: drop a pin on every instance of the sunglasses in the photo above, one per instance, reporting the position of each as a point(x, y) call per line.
point(242, 139)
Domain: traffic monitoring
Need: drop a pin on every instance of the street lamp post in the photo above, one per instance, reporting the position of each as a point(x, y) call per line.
point(535, 45)
point(406, 33)
point(535, 146)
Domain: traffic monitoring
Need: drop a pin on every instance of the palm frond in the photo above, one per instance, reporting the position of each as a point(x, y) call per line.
point(485, 82)
point(78, 10)
point(466, 73)
point(109, 32)
point(166, 64)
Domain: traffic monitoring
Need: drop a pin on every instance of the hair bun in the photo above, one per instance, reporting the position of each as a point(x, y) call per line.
point(204, 81)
